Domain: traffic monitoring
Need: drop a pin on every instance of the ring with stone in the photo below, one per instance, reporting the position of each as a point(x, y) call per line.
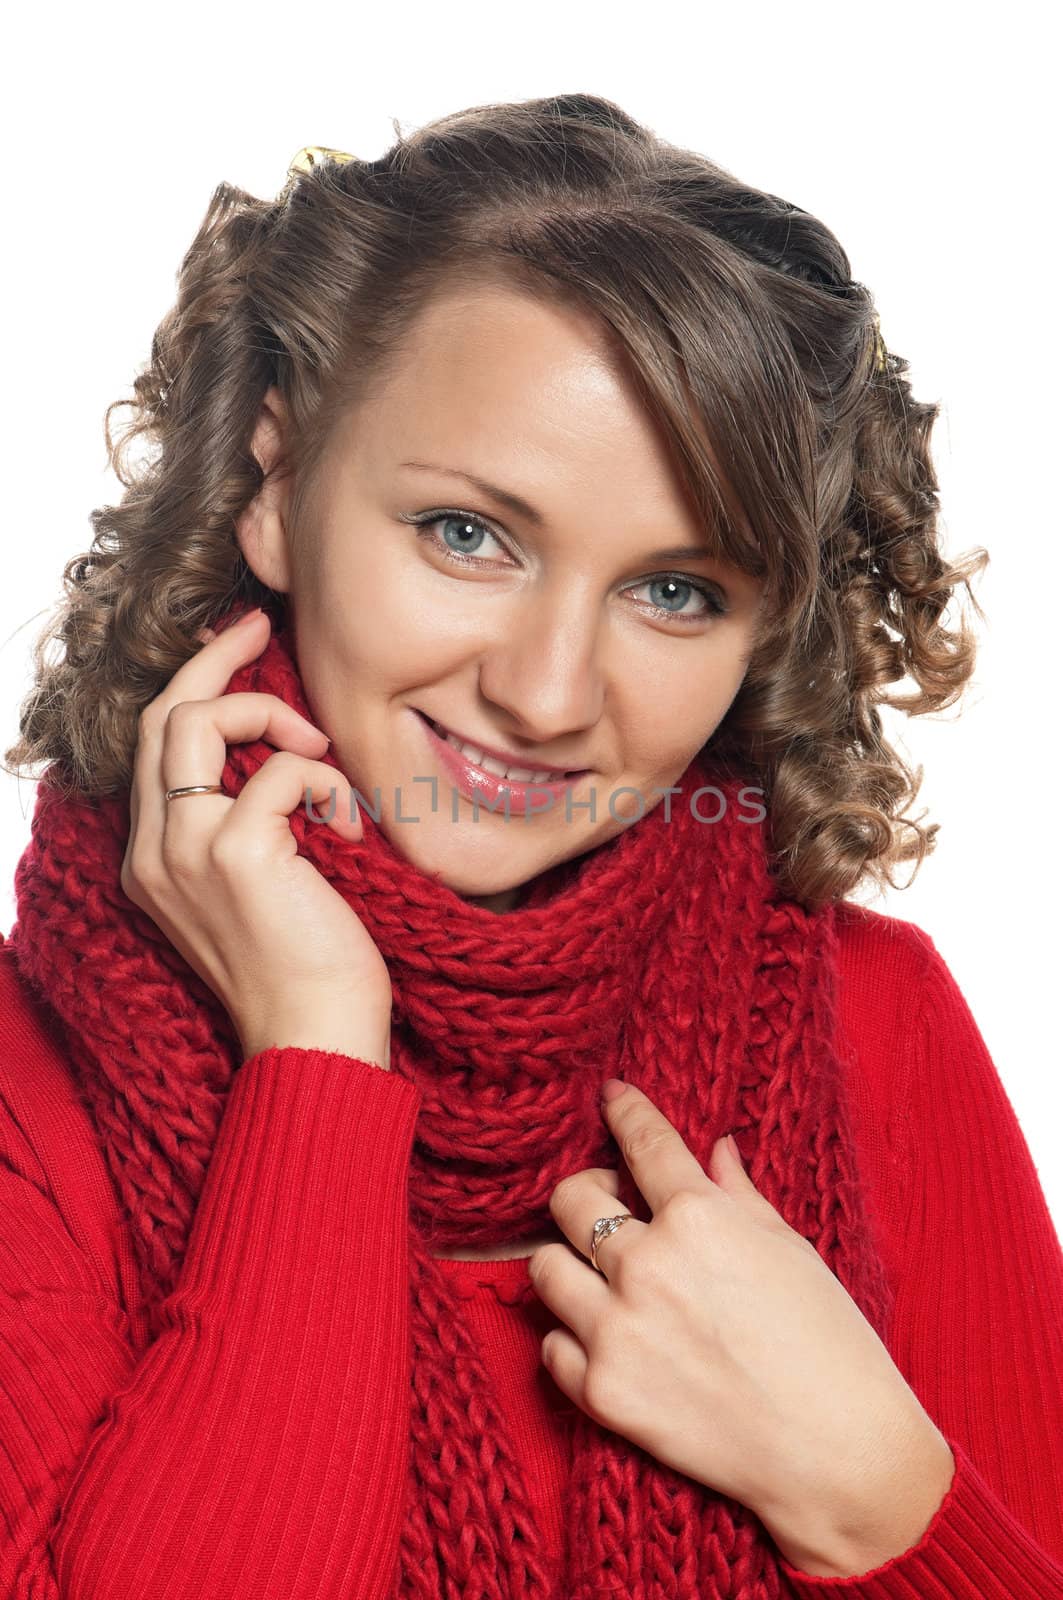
point(602, 1229)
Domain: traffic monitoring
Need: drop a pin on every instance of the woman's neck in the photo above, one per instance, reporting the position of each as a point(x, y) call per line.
point(502, 900)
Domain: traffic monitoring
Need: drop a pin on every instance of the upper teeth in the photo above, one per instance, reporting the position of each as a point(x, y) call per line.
point(490, 764)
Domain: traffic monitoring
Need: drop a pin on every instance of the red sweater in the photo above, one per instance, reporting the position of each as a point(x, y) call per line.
point(258, 1447)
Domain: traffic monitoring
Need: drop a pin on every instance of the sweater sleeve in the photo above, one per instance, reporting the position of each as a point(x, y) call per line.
point(978, 1324)
point(259, 1445)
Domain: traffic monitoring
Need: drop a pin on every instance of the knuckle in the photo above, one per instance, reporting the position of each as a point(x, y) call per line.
point(240, 847)
point(540, 1266)
point(285, 759)
point(277, 765)
point(685, 1207)
point(138, 880)
point(633, 1268)
point(227, 851)
point(178, 858)
point(545, 1264)
point(562, 1195)
point(127, 878)
point(150, 720)
point(643, 1141)
point(602, 1394)
point(182, 711)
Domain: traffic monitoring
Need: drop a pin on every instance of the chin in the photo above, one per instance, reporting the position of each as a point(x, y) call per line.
point(465, 859)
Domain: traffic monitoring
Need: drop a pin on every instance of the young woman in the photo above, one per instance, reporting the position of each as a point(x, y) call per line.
point(460, 1138)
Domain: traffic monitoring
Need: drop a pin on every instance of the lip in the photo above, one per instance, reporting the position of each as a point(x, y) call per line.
point(510, 759)
point(473, 781)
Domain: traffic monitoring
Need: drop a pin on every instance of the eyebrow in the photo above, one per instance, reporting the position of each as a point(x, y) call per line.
point(522, 508)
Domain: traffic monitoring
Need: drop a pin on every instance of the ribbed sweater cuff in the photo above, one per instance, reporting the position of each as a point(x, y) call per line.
point(330, 1151)
point(973, 1549)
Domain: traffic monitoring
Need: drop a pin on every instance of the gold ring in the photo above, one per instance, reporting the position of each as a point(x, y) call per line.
point(196, 788)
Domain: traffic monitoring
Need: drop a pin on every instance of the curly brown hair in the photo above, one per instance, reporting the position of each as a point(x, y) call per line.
point(750, 343)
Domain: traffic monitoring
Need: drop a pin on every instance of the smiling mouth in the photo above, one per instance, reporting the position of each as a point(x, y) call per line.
point(512, 771)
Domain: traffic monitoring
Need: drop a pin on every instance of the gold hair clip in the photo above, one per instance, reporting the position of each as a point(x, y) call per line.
point(310, 156)
point(880, 349)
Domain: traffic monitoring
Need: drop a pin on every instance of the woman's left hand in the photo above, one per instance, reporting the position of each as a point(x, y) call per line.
point(720, 1341)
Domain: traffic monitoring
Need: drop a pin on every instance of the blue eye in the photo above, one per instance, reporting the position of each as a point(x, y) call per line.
point(673, 581)
point(470, 530)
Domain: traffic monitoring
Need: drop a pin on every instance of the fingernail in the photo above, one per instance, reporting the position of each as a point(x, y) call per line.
point(242, 620)
point(733, 1147)
point(314, 729)
point(612, 1088)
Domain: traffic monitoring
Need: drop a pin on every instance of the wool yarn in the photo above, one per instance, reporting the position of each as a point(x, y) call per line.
point(666, 956)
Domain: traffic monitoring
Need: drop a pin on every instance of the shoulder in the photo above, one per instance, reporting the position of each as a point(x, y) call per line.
point(894, 983)
point(871, 941)
point(896, 1002)
point(50, 1159)
point(889, 971)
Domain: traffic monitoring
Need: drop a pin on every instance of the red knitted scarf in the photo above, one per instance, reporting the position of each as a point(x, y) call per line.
point(665, 956)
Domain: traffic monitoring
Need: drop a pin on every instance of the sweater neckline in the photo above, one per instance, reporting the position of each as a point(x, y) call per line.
point(506, 1267)
point(506, 1280)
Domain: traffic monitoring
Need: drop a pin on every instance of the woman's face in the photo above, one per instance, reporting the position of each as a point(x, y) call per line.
point(569, 633)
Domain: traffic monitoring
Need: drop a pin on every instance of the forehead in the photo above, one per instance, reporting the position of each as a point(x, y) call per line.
point(500, 342)
point(537, 396)
point(505, 385)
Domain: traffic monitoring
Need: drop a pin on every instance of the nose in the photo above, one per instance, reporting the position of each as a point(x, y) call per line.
point(544, 669)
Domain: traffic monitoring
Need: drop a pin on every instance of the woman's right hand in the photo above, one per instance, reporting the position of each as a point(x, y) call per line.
point(223, 879)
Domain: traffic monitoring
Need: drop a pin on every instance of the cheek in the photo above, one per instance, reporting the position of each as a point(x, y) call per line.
point(371, 617)
point(672, 711)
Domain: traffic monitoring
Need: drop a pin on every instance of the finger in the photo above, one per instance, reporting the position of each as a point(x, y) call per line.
point(198, 733)
point(568, 1287)
point(204, 676)
point(194, 751)
point(262, 811)
point(565, 1360)
point(578, 1202)
point(728, 1172)
point(656, 1156)
point(265, 804)
point(207, 673)
point(195, 748)
point(727, 1169)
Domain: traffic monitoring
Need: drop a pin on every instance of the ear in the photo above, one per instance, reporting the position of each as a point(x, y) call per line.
point(262, 526)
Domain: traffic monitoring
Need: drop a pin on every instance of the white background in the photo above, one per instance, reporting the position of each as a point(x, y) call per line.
point(921, 135)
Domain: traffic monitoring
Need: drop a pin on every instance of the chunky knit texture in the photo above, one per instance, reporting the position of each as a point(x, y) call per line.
point(666, 956)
